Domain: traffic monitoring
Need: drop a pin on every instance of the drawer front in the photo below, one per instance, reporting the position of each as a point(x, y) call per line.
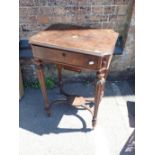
point(67, 57)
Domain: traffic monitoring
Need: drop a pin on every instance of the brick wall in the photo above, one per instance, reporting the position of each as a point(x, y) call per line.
point(124, 65)
point(35, 15)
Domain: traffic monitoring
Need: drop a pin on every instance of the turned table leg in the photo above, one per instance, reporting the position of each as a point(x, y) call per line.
point(98, 96)
point(41, 78)
point(59, 68)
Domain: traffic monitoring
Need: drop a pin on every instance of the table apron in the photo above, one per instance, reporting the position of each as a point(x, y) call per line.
point(79, 60)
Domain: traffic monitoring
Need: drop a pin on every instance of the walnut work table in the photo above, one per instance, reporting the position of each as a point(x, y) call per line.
point(75, 49)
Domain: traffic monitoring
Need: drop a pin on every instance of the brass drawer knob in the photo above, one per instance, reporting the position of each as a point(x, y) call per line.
point(91, 62)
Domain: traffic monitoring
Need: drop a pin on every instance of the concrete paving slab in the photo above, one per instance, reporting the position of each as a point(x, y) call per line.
point(69, 132)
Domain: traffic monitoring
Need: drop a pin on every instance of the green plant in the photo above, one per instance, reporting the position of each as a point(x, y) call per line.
point(50, 83)
point(36, 85)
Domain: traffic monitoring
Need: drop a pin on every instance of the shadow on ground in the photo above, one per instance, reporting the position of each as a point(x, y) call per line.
point(33, 118)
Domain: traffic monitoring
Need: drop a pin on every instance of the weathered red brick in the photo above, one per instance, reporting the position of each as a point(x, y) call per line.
point(82, 2)
point(77, 9)
point(95, 25)
point(119, 2)
point(119, 28)
point(23, 19)
point(105, 25)
point(32, 11)
point(97, 18)
point(56, 19)
point(67, 19)
point(30, 27)
point(100, 2)
point(109, 10)
point(26, 3)
point(23, 35)
point(59, 11)
point(79, 19)
point(55, 2)
point(20, 28)
point(112, 18)
point(43, 19)
point(72, 2)
point(36, 2)
point(23, 11)
point(45, 10)
point(122, 19)
point(109, 25)
point(43, 2)
point(97, 9)
point(32, 19)
point(25, 28)
point(27, 19)
point(122, 9)
point(84, 10)
point(61, 19)
point(71, 9)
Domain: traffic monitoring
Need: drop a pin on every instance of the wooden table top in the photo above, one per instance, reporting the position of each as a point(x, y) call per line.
point(98, 42)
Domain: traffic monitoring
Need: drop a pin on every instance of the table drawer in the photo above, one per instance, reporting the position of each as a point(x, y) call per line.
point(67, 57)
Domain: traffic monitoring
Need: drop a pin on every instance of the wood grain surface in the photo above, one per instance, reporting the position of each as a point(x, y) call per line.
point(97, 42)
